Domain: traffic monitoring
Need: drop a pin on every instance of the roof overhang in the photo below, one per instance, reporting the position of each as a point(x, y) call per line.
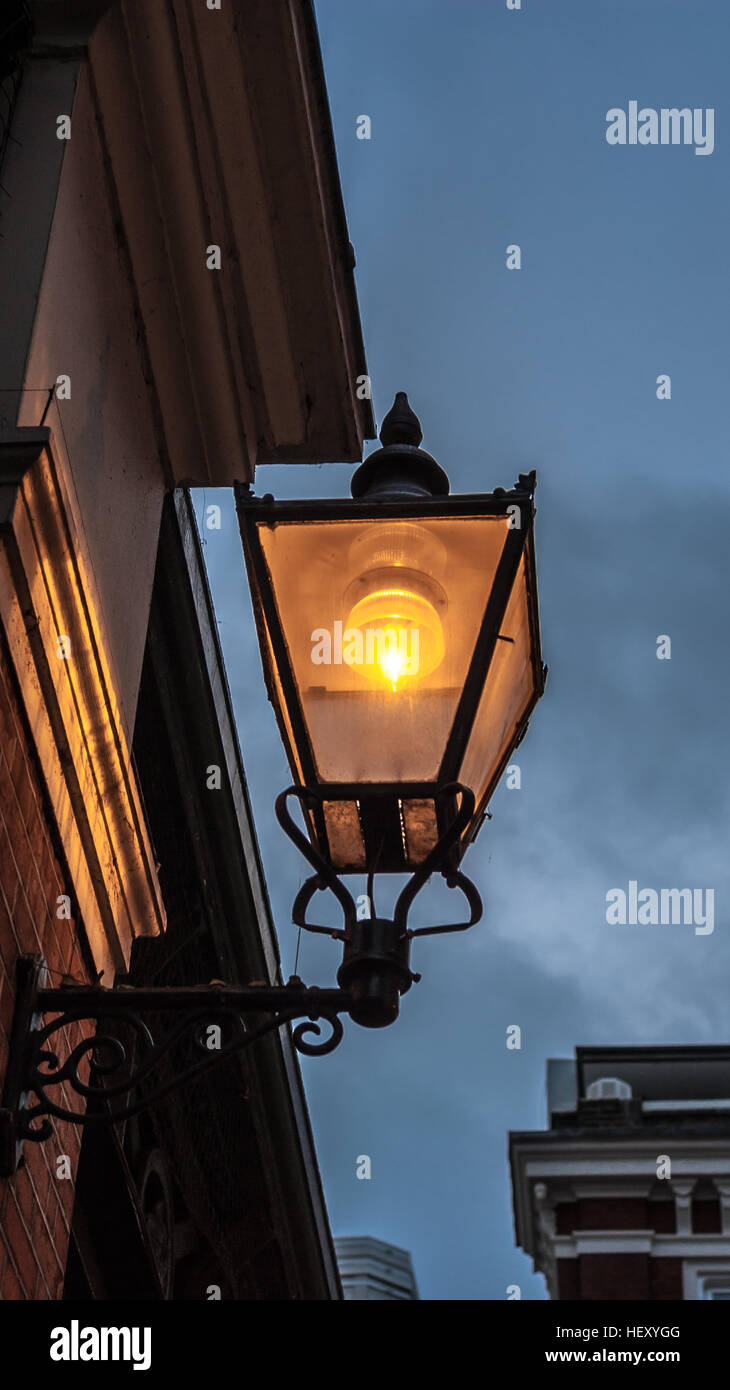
point(217, 130)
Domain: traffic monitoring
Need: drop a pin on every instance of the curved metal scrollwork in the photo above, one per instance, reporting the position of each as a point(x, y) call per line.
point(119, 1067)
point(133, 1063)
point(326, 1045)
point(434, 863)
point(326, 878)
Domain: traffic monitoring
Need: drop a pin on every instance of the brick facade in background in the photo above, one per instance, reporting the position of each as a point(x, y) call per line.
point(35, 1206)
point(620, 1277)
point(618, 1214)
point(626, 1194)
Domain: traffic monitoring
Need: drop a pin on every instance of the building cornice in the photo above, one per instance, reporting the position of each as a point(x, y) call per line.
point(552, 1159)
point(56, 641)
point(686, 1246)
point(217, 132)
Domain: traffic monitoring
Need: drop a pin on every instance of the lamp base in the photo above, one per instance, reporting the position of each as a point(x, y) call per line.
point(375, 971)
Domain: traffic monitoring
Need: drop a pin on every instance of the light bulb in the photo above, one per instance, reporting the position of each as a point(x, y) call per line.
point(393, 630)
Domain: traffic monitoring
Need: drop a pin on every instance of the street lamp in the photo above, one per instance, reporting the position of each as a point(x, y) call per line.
point(400, 642)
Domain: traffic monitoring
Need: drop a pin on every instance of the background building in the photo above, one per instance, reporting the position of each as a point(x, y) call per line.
point(177, 289)
point(627, 1194)
point(371, 1268)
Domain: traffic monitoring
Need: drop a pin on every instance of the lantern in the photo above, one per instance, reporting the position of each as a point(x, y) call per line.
point(400, 642)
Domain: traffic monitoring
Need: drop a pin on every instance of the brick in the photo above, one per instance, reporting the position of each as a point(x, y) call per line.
point(706, 1216)
point(11, 1289)
point(666, 1278)
point(19, 1246)
point(14, 755)
point(35, 1208)
point(27, 796)
point(54, 952)
point(613, 1214)
point(22, 855)
point(568, 1278)
point(48, 1265)
point(9, 875)
point(24, 927)
point(36, 1169)
point(37, 892)
point(614, 1276)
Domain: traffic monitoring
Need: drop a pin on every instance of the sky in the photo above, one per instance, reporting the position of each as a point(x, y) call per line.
point(488, 129)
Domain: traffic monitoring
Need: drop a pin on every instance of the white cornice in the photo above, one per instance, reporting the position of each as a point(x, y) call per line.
point(569, 1247)
point(604, 1163)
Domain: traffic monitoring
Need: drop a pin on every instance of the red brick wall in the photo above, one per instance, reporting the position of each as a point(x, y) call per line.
point(568, 1279)
point(35, 1205)
point(627, 1275)
point(620, 1277)
point(617, 1214)
point(706, 1216)
point(666, 1278)
point(614, 1276)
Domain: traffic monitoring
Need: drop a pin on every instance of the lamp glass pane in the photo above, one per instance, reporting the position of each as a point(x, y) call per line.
point(381, 712)
point(277, 696)
point(507, 693)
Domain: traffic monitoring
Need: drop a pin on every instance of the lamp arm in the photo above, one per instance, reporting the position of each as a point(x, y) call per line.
point(119, 1070)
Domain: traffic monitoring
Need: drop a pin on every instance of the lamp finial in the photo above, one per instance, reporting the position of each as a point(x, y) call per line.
point(401, 425)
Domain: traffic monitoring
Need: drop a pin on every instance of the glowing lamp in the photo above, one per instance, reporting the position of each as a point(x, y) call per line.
point(400, 642)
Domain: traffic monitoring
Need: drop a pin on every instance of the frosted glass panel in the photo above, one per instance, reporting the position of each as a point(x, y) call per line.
point(361, 728)
point(507, 693)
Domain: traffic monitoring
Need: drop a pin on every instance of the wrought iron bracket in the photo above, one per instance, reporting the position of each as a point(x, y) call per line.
point(116, 1069)
point(131, 1059)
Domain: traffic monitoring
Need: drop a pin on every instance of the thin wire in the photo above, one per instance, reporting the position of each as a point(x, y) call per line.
point(370, 889)
point(64, 975)
point(48, 404)
point(296, 958)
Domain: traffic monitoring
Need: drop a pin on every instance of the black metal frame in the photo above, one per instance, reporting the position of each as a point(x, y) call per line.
point(381, 800)
point(34, 1067)
point(375, 971)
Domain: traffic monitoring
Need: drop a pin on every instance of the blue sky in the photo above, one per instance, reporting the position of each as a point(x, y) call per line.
point(488, 129)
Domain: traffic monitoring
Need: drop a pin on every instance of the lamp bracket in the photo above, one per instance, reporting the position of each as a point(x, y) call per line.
point(132, 1059)
point(210, 1022)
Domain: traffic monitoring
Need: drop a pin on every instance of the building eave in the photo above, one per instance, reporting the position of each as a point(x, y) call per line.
point(217, 132)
